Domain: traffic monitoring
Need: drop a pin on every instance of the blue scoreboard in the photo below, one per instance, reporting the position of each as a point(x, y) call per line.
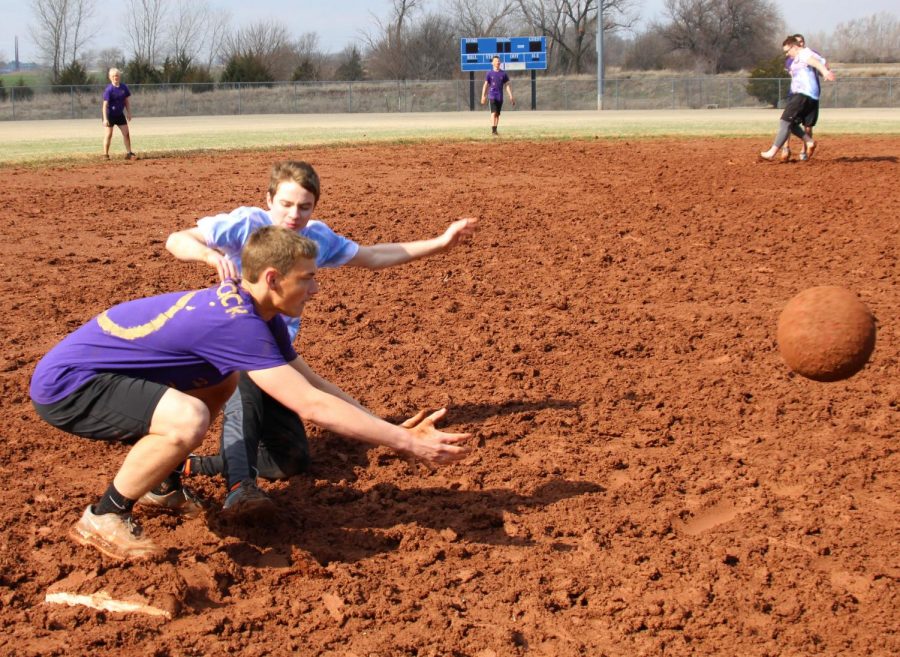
point(516, 53)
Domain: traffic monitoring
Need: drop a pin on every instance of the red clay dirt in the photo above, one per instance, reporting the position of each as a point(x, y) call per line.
point(649, 478)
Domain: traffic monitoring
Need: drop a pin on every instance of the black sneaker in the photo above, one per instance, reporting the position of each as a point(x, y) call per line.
point(246, 498)
point(130, 156)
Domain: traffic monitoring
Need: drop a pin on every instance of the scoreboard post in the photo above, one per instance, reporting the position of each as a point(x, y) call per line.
point(516, 54)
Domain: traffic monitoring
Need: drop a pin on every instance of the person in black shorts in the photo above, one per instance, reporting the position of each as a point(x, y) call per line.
point(802, 104)
point(116, 110)
point(154, 372)
point(494, 81)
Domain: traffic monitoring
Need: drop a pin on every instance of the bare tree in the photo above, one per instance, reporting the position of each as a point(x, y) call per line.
point(218, 27)
point(483, 18)
point(387, 52)
point(266, 44)
point(723, 34)
point(875, 38)
point(571, 26)
point(188, 28)
point(145, 23)
point(61, 29)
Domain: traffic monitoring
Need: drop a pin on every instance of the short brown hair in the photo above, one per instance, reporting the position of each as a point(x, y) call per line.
point(275, 246)
point(791, 41)
point(296, 171)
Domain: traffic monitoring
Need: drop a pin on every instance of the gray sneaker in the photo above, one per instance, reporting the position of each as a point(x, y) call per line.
point(115, 535)
point(181, 501)
point(246, 499)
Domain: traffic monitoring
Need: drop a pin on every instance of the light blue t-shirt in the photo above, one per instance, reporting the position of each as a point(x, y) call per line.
point(229, 233)
point(803, 76)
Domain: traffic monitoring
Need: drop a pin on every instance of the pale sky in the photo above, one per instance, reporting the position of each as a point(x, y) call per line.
point(342, 21)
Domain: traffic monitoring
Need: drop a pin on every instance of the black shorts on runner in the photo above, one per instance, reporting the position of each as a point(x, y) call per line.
point(116, 120)
point(496, 106)
point(801, 109)
point(108, 407)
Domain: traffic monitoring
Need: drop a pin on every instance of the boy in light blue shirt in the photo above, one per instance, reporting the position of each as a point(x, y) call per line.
point(260, 436)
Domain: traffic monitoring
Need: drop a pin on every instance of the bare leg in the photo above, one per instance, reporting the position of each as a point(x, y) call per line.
point(126, 137)
point(107, 139)
point(178, 426)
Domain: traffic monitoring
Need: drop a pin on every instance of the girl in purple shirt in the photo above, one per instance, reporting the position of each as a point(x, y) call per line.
point(116, 111)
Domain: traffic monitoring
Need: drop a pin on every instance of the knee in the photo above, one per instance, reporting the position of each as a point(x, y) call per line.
point(189, 425)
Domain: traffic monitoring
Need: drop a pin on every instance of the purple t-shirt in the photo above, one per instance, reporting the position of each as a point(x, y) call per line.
point(184, 340)
point(115, 99)
point(496, 80)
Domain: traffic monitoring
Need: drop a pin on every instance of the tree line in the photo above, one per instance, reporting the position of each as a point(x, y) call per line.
point(190, 41)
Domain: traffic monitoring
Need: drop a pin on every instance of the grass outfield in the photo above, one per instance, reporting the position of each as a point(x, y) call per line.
point(44, 141)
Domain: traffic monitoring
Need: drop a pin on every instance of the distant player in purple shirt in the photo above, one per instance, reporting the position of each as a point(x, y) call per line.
point(116, 110)
point(492, 90)
point(260, 436)
point(803, 103)
point(154, 372)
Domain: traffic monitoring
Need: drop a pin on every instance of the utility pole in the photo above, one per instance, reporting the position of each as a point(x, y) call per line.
point(600, 64)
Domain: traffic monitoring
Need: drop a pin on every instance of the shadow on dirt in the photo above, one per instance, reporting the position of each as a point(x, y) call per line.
point(879, 158)
point(337, 523)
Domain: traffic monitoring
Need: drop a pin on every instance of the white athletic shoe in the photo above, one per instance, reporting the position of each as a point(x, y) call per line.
point(116, 536)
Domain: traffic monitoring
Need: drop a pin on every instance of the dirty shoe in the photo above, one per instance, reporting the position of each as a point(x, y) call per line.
point(245, 498)
point(181, 500)
point(116, 536)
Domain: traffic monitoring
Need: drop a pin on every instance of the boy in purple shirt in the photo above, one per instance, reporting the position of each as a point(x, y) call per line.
point(155, 371)
point(492, 90)
point(260, 436)
point(116, 110)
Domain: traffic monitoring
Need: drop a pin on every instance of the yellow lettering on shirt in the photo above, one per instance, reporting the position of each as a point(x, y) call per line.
point(143, 330)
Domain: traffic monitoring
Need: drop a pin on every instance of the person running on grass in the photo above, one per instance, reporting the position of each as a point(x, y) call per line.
point(154, 372)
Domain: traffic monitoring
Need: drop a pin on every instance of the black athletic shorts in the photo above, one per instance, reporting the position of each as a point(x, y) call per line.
point(801, 109)
point(108, 407)
point(117, 120)
point(496, 106)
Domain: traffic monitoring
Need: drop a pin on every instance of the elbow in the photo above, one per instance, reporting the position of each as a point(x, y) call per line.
point(172, 244)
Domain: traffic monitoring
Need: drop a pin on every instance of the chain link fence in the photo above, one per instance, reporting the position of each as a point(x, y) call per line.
point(83, 102)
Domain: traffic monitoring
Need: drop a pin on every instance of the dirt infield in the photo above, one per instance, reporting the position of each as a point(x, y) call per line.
point(649, 479)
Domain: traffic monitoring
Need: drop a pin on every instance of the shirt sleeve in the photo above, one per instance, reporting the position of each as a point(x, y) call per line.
point(334, 250)
point(230, 232)
point(106, 93)
point(127, 91)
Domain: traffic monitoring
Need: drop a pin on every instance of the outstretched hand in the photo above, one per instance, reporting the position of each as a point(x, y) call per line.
point(432, 446)
point(460, 231)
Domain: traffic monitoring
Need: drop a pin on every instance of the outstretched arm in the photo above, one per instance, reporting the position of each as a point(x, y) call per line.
point(379, 256)
point(323, 384)
point(423, 441)
point(190, 246)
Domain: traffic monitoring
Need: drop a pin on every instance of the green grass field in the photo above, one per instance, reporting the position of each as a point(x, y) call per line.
point(30, 78)
point(55, 140)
